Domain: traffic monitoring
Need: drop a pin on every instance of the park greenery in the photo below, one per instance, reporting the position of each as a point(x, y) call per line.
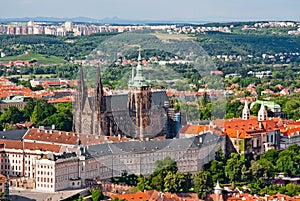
point(257, 173)
point(39, 112)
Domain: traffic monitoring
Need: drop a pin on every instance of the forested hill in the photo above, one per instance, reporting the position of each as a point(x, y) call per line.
point(216, 43)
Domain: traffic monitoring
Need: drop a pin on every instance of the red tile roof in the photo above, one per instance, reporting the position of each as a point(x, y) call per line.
point(153, 195)
point(194, 129)
point(69, 138)
point(245, 128)
point(248, 197)
point(15, 144)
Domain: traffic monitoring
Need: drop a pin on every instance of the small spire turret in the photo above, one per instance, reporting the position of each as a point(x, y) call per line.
point(262, 113)
point(246, 111)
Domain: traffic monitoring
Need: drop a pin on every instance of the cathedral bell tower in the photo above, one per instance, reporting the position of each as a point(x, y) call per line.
point(139, 100)
point(81, 98)
point(100, 126)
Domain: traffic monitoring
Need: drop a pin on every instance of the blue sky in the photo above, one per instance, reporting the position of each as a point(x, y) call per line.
point(220, 10)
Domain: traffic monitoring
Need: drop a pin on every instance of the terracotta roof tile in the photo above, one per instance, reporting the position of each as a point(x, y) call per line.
point(14, 144)
point(69, 138)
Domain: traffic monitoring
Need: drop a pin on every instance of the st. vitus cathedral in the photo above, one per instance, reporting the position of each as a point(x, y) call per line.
point(142, 113)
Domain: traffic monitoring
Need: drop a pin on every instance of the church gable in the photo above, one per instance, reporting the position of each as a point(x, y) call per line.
point(87, 107)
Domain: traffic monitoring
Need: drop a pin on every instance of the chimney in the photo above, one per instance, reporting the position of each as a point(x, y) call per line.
point(53, 127)
point(200, 139)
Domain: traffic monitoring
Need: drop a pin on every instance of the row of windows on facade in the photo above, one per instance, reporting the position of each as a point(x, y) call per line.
point(43, 179)
point(5, 167)
point(45, 185)
point(151, 160)
point(11, 161)
point(44, 173)
point(7, 160)
point(12, 155)
point(66, 178)
point(157, 153)
point(13, 173)
point(59, 185)
point(45, 166)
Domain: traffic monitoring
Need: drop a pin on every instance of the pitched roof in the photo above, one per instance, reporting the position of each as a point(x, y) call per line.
point(16, 144)
point(68, 138)
point(195, 142)
point(193, 129)
point(245, 128)
point(12, 134)
point(54, 136)
point(151, 195)
point(248, 197)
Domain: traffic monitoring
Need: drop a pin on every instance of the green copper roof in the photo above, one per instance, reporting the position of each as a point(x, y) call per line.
point(268, 104)
point(138, 80)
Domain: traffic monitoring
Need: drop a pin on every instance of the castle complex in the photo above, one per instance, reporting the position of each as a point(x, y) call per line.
point(142, 113)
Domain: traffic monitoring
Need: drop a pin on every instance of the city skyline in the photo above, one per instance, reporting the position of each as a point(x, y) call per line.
point(203, 10)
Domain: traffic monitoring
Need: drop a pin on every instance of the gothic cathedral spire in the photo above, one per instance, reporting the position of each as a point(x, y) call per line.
point(80, 99)
point(99, 93)
point(99, 105)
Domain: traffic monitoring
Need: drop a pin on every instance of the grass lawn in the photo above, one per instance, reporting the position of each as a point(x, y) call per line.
point(41, 59)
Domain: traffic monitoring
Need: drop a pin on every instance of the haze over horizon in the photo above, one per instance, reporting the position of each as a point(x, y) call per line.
point(201, 10)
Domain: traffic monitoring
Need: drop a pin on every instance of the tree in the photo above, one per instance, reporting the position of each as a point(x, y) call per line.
point(202, 183)
point(267, 167)
point(143, 183)
point(233, 167)
point(11, 115)
point(220, 156)
point(173, 182)
point(288, 162)
point(254, 110)
point(217, 171)
point(167, 161)
point(233, 109)
point(96, 195)
point(256, 170)
point(292, 189)
point(294, 148)
point(41, 111)
point(157, 182)
point(60, 120)
point(28, 109)
point(271, 155)
point(164, 167)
